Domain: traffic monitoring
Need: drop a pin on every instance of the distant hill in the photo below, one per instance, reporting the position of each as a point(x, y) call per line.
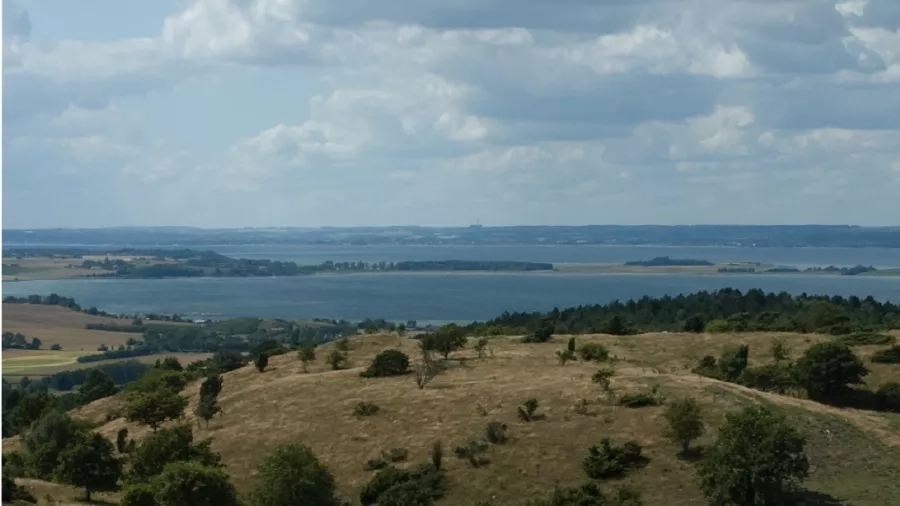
point(677, 235)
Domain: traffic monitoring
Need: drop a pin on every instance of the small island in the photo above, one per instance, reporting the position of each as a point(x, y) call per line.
point(187, 263)
point(669, 262)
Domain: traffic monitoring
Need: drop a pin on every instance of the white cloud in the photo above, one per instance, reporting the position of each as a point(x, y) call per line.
point(559, 110)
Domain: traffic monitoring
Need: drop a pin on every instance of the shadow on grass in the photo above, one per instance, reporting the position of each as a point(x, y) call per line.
point(815, 498)
point(859, 398)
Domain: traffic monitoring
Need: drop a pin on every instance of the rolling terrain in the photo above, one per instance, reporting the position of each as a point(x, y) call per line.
point(854, 455)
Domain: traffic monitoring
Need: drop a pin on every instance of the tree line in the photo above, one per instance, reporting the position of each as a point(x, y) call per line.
point(725, 310)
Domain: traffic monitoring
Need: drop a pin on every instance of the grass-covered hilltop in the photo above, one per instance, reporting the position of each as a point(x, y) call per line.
point(713, 398)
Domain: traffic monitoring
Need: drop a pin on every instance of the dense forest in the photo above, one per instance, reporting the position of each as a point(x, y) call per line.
point(726, 310)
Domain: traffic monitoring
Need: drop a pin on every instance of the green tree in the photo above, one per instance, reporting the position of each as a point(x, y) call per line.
point(685, 422)
point(337, 360)
point(543, 333)
point(480, 346)
point(167, 445)
point(207, 408)
point(261, 362)
point(779, 350)
point(122, 440)
point(826, 369)
point(47, 438)
point(211, 386)
point(388, 363)
point(571, 346)
point(170, 364)
point(293, 476)
point(401, 329)
point(154, 408)
point(694, 324)
point(616, 326)
point(733, 362)
point(97, 385)
point(306, 355)
point(139, 494)
point(188, 483)
point(757, 460)
point(91, 464)
point(445, 340)
point(603, 377)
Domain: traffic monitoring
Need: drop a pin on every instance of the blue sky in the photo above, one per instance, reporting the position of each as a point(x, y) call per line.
point(223, 113)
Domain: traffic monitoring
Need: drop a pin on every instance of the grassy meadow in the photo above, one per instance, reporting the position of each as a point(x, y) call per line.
point(854, 455)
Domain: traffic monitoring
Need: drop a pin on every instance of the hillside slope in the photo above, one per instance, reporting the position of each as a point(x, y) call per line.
point(854, 455)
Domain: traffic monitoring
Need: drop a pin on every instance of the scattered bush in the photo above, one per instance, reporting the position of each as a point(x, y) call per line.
point(641, 399)
point(387, 363)
point(707, 367)
point(606, 461)
point(888, 356)
point(527, 410)
point(471, 451)
point(337, 360)
point(122, 440)
point(495, 433)
point(480, 346)
point(426, 370)
point(261, 362)
point(593, 352)
point(306, 354)
point(542, 334)
point(768, 378)
point(445, 340)
point(779, 350)
point(865, 338)
point(603, 377)
point(564, 356)
point(363, 408)
point(685, 422)
point(588, 495)
point(192, 484)
point(342, 344)
point(437, 455)
point(733, 362)
point(293, 472)
point(694, 324)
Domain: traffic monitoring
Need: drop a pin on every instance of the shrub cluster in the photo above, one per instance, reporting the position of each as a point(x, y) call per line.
point(387, 363)
point(363, 408)
point(607, 461)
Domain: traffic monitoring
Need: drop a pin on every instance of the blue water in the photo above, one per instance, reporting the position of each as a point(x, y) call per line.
point(426, 297)
point(797, 257)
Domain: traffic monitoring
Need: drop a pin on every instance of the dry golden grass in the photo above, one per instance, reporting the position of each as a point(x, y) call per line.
point(284, 405)
point(59, 325)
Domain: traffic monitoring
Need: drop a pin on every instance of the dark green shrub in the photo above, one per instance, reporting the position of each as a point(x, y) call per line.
point(694, 324)
point(826, 369)
point(616, 326)
point(588, 495)
point(865, 338)
point(122, 440)
point(375, 464)
point(758, 459)
point(293, 475)
point(342, 344)
point(437, 455)
point(495, 433)
point(428, 481)
point(471, 452)
point(387, 363)
point(527, 410)
point(564, 356)
point(571, 346)
point(707, 367)
point(363, 408)
point(139, 494)
point(888, 356)
point(603, 377)
point(337, 360)
point(542, 334)
point(641, 399)
point(14, 493)
point(261, 362)
point(684, 422)
point(888, 397)
point(593, 352)
point(768, 378)
point(733, 362)
point(606, 461)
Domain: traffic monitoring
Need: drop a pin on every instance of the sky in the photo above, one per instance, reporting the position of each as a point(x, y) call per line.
point(234, 113)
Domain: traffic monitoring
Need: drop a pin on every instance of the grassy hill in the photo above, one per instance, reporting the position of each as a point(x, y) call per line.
point(854, 455)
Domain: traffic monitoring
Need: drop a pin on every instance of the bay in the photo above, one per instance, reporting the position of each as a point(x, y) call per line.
point(425, 297)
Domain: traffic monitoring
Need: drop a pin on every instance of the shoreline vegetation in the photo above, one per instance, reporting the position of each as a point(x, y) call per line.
point(42, 264)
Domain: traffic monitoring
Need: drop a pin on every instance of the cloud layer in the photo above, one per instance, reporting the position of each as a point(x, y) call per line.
point(340, 112)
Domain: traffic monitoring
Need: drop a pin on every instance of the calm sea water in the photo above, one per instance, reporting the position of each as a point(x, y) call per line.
point(426, 297)
point(313, 254)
